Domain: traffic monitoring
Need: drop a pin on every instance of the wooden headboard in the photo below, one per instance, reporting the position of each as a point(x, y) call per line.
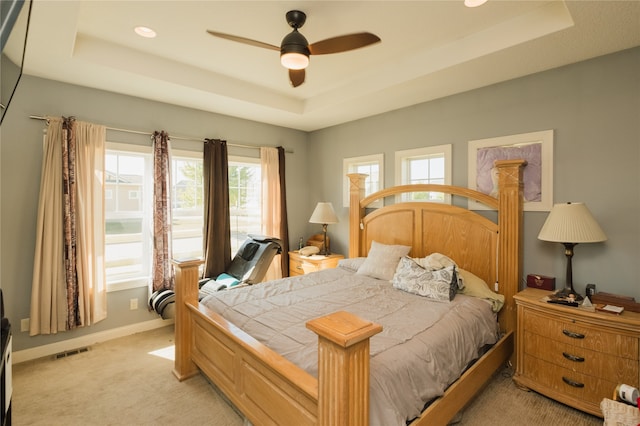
point(491, 250)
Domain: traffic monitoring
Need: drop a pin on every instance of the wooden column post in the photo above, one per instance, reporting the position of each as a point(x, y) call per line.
point(186, 290)
point(509, 241)
point(343, 368)
point(356, 193)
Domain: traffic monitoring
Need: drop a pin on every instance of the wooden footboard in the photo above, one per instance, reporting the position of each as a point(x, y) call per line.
point(264, 386)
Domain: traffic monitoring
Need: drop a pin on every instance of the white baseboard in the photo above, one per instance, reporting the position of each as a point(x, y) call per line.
point(88, 340)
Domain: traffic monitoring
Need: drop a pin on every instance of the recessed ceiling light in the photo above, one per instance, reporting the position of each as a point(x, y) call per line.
point(145, 32)
point(474, 3)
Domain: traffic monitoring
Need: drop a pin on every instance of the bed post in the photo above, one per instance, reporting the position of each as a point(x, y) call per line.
point(186, 290)
point(343, 368)
point(356, 193)
point(510, 222)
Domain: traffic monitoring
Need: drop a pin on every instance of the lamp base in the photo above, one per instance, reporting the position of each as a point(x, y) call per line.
point(566, 293)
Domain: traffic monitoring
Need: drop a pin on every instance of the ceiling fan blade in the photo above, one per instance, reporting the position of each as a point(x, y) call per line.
point(244, 40)
point(343, 43)
point(296, 77)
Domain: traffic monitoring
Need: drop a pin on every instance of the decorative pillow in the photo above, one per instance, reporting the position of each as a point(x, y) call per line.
point(436, 261)
point(382, 260)
point(352, 264)
point(477, 287)
point(439, 285)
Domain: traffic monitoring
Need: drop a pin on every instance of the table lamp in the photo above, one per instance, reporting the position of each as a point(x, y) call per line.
point(570, 224)
point(324, 214)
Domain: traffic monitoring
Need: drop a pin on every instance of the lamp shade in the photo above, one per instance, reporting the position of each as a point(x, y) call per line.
point(324, 213)
point(571, 223)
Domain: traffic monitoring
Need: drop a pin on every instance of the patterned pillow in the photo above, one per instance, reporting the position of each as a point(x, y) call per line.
point(382, 260)
point(439, 285)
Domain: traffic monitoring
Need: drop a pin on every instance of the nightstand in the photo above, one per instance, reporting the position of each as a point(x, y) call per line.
point(572, 355)
point(300, 265)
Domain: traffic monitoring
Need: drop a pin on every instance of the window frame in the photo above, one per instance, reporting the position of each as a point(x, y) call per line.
point(402, 156)
point(185, 154)
point(139, 281)
point(246, 160)
point(350, 162)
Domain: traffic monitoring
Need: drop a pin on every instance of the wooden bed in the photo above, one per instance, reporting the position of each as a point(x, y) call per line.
point(268, 389)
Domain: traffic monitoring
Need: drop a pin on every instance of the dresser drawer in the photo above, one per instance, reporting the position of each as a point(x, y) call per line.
point(581, 335)
point(582, 360)
point(295, 267)
point(582, 387)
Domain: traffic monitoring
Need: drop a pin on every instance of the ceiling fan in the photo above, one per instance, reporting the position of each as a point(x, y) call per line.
point(295, 49)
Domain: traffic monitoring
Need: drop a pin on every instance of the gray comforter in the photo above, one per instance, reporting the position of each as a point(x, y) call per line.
point(423, 348)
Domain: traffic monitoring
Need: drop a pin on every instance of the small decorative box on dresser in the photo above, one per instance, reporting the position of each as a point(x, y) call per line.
point(300, 265)
point(572, 355)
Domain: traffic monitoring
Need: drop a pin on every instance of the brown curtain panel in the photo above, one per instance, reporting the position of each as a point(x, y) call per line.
point(217, 226)
point(162, 273)
point(284, 224)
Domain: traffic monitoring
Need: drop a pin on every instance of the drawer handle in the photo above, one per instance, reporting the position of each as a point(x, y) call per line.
point(573, 334)
point(298, 267)
point(573, 357)
point(572, 383)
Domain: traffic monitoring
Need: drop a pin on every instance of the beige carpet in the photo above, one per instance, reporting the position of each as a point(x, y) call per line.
point(127, 381)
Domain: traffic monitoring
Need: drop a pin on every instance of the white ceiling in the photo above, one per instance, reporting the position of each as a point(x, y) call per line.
point(429, 49)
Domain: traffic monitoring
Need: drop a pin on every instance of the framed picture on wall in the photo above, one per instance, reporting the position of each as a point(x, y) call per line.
point(535, 147)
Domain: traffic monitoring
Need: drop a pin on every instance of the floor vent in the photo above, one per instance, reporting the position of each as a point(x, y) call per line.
point(71, 352)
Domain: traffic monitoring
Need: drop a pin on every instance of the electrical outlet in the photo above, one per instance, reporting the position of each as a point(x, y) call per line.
point(133, 304)
point(24, 324)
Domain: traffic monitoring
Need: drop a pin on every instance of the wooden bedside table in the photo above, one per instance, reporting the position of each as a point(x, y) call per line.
point(572, 355)
point(300, 265)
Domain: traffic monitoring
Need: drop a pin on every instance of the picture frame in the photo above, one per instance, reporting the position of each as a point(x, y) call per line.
point(535, 147)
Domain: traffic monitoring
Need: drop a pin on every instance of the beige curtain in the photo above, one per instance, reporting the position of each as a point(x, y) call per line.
point(271, 214)
point(52, 301)
point(90, 223)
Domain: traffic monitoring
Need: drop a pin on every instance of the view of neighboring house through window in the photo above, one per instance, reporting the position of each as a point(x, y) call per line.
point(431, 165)
point(128, 209)
point(128, 173)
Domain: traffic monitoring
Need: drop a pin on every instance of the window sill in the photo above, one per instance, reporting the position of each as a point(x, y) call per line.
point(127, 284)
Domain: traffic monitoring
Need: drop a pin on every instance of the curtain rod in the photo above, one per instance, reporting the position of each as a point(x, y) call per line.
point(182, 138)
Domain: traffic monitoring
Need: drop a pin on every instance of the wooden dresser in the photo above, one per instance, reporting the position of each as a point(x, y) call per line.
point(300, 265)
point(572, 355)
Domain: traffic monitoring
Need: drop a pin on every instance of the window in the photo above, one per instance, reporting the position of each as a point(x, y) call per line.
point(424, 165)
point(245, 208)
point(187, 198)
point(128, 169)
point(373, 167)
point(129, 217)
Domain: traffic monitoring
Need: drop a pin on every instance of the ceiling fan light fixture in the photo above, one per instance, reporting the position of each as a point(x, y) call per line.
point(294, 60)
point(294, 51)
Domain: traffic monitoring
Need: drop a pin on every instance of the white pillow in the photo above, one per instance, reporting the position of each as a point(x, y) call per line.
point(351, 264)
point(439, 285)
point(382, 260)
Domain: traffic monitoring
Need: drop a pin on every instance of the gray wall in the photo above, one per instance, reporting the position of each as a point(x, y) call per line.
point(594, 109)
point(21, 162)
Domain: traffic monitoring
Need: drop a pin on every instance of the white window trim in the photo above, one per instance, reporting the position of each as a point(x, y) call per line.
point(400, 156)
point(379, 158)
point(142, 281)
